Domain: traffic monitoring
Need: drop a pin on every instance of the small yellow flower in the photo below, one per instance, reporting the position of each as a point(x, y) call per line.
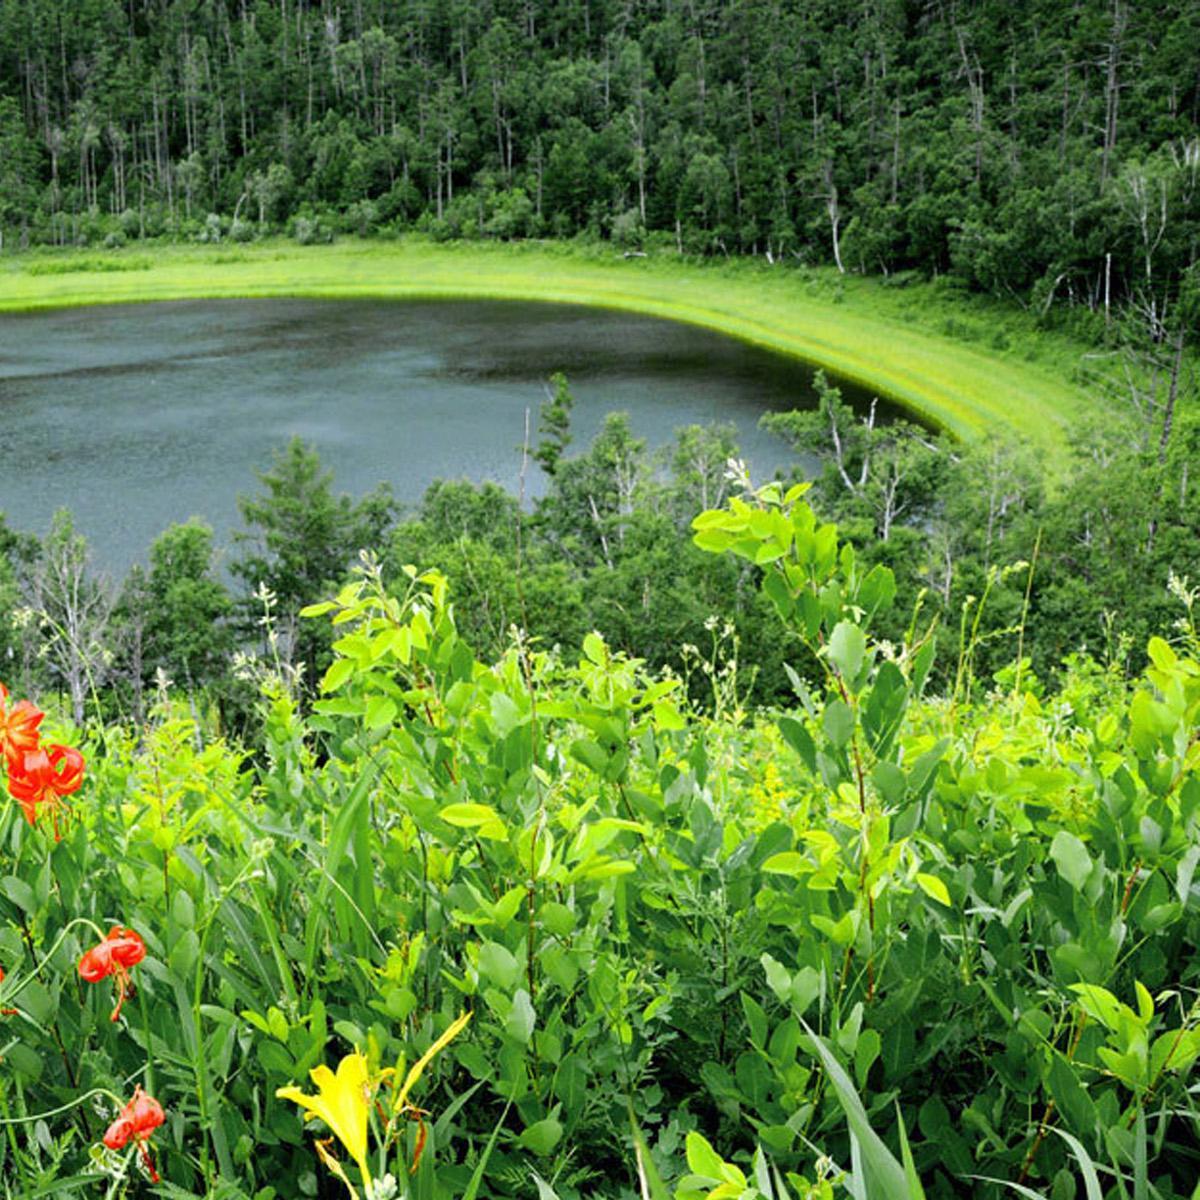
point(343, 1103)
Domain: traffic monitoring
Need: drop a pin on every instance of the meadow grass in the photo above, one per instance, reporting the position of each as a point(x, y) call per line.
point(961, 364)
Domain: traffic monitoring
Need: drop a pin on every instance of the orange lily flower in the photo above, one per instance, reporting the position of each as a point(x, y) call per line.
point(44, 777)
point(119, 951)
point(18, 728)
point(137, 1120)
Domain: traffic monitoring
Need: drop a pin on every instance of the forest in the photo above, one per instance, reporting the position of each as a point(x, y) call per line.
point(1041, 151)
point(666, 832)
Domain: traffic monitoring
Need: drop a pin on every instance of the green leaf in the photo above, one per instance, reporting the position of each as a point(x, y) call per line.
point(542, 1136)
point(800, 740)
point(1161, 655)
point(883, 1176)
point(545, 1191)
point(702, 1159)
point(649, 1180)
point(756, 1019)
point(184, 954)
point(20, 893)
point(24, 1061)
point(790, 862)
point(847, 646)
point(498, 965)
point(319, 609)
point(932, 886)
point(521, 1018)
point(779, 981)
point(595, 649)
point(1072, 859)
point(1091, 1181)
point(468, 816)
point(915, 1190)
point(339, 671)
point(381, 712)
point(838, 723)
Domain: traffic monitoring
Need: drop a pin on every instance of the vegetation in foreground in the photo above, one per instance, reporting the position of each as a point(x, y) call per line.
point(537, 926)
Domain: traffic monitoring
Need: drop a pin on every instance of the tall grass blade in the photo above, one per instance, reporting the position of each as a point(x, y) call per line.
point(650, 1181)
point(1091, 1181)
point(882, 1175)
point(910, 1168)
point(1141, 1179)
point(481, 1166)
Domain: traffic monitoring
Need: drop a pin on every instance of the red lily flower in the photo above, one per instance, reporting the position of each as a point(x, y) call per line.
point(119, 951)
point(137, 1120)
point(18, 728)
point(44, 777)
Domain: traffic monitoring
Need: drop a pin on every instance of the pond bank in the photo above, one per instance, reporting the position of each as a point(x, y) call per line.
point(901, 342)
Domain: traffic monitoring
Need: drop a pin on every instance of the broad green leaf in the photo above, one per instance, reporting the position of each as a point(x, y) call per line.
point(1072, 859)
point(702, 1159)
point(339, 671)
point(847, 646)
point(498, 966)
point(542, 1136)
point(800, 740)
point(790, 862)
point(468, 816)
point(521, 1018)
point(932, 886)
point(838, 723)
point(381, 712)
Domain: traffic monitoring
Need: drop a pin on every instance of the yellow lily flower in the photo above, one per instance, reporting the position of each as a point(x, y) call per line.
point(343, 1102)
point(452, 1031)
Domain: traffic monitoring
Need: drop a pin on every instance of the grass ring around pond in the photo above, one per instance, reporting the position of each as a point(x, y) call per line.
point(890, 340)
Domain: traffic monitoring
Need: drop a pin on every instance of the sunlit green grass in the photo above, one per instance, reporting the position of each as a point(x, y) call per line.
point(904, 343)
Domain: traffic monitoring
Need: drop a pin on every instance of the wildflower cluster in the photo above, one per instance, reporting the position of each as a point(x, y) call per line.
point(40, 777)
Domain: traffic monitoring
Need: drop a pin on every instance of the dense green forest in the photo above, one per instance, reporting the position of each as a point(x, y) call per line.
point(1042, 151)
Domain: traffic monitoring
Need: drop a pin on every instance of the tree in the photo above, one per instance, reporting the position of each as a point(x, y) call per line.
point(884, 471)
point(18, 168)
point(699, 464)
point(302, 539)
point(268, 188)
point(186, 632)
point(73, 607)
point(591, 500)
point(554, 421)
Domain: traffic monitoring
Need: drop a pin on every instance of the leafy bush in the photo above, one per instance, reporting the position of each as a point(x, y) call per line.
point(880, 944)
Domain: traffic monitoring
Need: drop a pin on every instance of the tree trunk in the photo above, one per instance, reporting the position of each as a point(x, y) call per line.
point(1172, 396)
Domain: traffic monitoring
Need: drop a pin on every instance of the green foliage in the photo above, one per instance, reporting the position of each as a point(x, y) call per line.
point(881, 942)
point(185, 630)
point(869, 139)
point(554, 422)
point(303, 537)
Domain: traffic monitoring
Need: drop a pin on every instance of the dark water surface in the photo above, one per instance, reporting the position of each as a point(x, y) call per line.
point(137, 416)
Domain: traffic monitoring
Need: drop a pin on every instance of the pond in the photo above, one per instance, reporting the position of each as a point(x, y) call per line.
point(137, 416)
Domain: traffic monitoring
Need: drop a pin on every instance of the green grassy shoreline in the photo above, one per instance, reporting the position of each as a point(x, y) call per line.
point(886, 339)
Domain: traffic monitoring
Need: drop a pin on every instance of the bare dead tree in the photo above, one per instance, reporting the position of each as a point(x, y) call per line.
point(73, 608)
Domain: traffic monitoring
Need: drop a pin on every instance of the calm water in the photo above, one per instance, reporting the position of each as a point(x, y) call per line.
point(138, 416)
